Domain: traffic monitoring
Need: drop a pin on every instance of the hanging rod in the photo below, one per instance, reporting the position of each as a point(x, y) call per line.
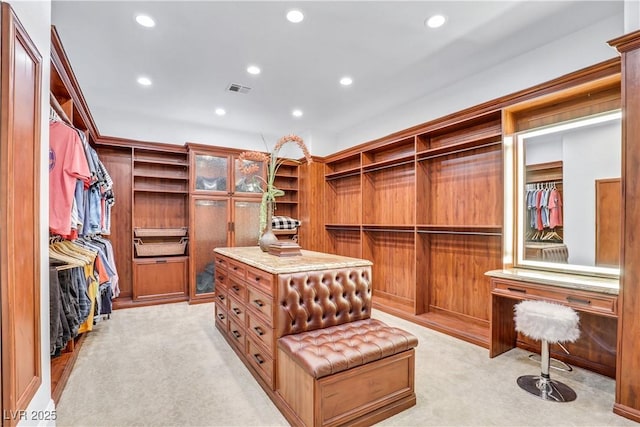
point(472, 233)
point(388, 230)
point(331, 178)
point(461, 150)
point(406, 162)
point(53, 101)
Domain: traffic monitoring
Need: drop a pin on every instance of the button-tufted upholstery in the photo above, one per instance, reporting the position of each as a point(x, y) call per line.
point(330, 350)
point(319, 299)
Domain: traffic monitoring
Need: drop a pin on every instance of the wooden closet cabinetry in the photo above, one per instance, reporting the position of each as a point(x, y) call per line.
point(160, 223)
point(426, 209)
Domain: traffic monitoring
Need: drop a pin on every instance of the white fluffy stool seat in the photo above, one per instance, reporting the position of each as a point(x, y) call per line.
point(545, 321)
point(549, 323)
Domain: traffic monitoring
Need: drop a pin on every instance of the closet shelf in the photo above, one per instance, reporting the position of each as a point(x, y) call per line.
point(183, 164)
point(161, 176)
point(385, 164)
point(459, 147)
point(149, 190)
point(343, 174)
point(388, 228)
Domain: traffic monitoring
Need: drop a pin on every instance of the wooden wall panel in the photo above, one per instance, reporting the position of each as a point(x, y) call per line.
point(456, 278)
point(160, 210)
point(311, 194)
point(394, 267)
point(118, 162)
point(462, 189)
point(628, 364)
point(20, 145)
point(388, 196)
point(608, 194)
point(343, 201)
point(345, 243)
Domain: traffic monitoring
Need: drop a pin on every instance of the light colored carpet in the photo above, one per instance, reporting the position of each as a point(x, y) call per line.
point(167, 365)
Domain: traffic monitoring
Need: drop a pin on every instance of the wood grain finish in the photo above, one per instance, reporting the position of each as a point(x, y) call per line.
point(594, 350)
point(344, 242)
point(627, 401)
point(388, 196)
point(159, 278)
point(118, 163)
point(608, 195)
point(343, 201)
point(312, 198)
point(393, 256)
point(20, 124)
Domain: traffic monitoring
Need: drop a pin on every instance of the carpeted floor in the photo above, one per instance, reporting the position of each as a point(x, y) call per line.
point(167, 365)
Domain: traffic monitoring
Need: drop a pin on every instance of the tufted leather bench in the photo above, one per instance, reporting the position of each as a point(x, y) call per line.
point(336, 365)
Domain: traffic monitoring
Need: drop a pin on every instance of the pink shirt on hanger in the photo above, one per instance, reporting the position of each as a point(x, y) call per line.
point(67, 164)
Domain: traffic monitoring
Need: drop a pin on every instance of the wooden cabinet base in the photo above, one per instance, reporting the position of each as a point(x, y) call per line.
point(358, 396)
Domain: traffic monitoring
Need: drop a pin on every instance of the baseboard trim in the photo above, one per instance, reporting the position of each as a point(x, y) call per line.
point(626, 412)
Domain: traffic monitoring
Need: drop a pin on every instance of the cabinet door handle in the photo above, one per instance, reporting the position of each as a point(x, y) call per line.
point(236, 334)
point(220, 316)
point(575, 300)
point(522, 291)
point(161, 261)
point(236, 310)
point(258, 330)
point(259, 359)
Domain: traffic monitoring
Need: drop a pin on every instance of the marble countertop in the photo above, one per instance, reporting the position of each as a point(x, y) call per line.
point(308, 261)
point(570, 281)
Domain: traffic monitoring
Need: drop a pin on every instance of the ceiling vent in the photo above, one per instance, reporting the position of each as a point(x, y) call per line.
point(234, 87)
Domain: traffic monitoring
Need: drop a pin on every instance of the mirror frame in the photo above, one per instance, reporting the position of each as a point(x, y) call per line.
point(514, 196)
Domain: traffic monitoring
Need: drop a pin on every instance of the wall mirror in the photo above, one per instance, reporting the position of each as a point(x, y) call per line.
point(567, 207)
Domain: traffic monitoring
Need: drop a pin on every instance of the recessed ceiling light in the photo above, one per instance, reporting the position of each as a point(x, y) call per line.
point(252, 69)
point(297, 113)
point(295, 16)
point(220, 111)
point(346, 81)
point(144, 81)
point(436, 21)
point(145, 21)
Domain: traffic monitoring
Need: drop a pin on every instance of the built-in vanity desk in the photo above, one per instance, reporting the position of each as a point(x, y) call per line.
point(594, 298)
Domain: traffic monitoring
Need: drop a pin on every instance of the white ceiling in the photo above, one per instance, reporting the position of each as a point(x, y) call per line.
point(198, 48)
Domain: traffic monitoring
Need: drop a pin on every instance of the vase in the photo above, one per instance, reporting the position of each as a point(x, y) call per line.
point(267, 237)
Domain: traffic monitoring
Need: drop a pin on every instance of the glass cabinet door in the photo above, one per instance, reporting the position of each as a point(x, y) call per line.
point(252, 182)
point(210, 231)
point(211, 173)
point(246, 223)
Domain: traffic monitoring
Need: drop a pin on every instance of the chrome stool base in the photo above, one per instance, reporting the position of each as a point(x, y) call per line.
point(546, 389)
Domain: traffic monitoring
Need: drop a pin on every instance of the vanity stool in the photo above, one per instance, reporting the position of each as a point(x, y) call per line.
point(549, 323)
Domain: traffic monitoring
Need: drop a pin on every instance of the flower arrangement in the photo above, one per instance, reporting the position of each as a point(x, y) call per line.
point(273, 163)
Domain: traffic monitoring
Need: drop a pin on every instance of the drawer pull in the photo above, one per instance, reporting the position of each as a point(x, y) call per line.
point(258, 330)
point(221, 278)
point(258, 303)
point(221, 297)
point(236, 310)
point(236, 334)
point(236, 288)
point(235, 268)
point(259, 359)
point(257, 279)
point(220, 316)
point(161, 261)
point(575, 300)
point(522, 291)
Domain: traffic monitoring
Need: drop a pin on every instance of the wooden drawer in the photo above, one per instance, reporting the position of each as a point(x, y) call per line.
point(157, 278)
point(237, 288)
point(261, 303)
point(236, 269)
point(260, 279)
point(237, 334)
point(261, 361)
point(221, 279)
point(221, 263)
point(222, 297)
point(222, 318)
point(580, 300)
point(236, 310)
point(259, 331)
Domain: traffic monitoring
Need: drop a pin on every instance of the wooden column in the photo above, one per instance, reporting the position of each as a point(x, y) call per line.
point(627, 403)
